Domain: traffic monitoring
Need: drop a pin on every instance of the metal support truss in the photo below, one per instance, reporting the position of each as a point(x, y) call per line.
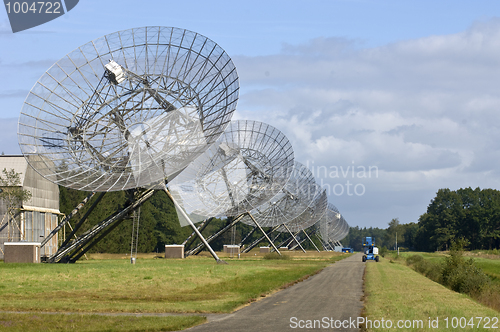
point(256, 242)
point(247, 236)
point(74, 250)
point(298, 244)
point(82, 220)
point(326, 245)
point(310, 240)
point(265, 234)
point(288, 241)
point(294, 238)
point(228, 226)
point(66, 219)
point(191, 237)
point(184, 214)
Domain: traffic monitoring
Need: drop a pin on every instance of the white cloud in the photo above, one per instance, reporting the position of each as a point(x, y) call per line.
point(425, 111)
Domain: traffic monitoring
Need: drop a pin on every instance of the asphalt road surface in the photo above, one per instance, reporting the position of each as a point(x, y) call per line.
point(332, 298)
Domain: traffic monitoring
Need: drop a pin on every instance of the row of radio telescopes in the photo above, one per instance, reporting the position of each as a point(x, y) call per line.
point(151, 108)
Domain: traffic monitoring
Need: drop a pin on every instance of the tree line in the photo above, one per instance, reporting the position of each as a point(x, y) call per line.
point(158, 224)
point(470, 214)
point(401, 234)
point(466, 214)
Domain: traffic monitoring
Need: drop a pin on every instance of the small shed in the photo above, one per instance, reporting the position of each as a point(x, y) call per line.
point(232, 249)
point(22, 252)
point(174, 251)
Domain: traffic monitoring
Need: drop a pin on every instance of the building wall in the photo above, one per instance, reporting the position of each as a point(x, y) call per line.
point(36, 226)
point(38, 216)
point(45, 194)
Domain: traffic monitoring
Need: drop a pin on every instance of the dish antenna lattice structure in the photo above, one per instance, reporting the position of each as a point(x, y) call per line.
point(249, 164)
point(125, 111)
point(309, 217)
point(289, 203)
point(128, 109)
point(331, 228)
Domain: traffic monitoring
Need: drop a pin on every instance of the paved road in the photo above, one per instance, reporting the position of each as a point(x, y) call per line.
point(332, 295)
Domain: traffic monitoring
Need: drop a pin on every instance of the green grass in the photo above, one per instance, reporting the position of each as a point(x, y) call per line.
point(152, 285)
point(276, 256)
point(491, 267)
point(83, 323)
point(494, 252)
point(489, 294)
point(433, 256)
point(395, 292)
point(487, 262)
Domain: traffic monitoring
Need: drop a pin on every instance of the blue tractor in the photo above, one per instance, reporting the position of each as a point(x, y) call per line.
point(370, 249)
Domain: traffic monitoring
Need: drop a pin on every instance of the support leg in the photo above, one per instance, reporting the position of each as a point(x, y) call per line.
point(310, 239)
point(265, 234)
point(297, 241)
point(256, 242)
point(229, 226)
point(190, 239)
point(66, 219)
point(195, 229)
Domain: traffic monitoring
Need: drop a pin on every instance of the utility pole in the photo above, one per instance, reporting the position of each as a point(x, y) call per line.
point(397, 243)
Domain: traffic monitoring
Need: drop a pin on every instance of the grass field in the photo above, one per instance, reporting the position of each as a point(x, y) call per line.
point(192, 285)
point(397, 293)
point(491, 267)
point(90, 323)
point(489, 263)
point(195, 284)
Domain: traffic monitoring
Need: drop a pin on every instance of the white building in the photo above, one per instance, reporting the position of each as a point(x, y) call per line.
point(38, 216)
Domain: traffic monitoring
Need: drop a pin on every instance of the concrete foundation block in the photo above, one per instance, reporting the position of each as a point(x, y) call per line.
point(22, 252)
point(174, 251)
point(232, 249)
point(264, 250)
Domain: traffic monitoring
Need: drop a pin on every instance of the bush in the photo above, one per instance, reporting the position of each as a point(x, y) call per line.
point(491, 297)
point(275, 255)
point(462, 275)
point(414, 259)
point(383, 251)
point(394, 255)
point(430, 269)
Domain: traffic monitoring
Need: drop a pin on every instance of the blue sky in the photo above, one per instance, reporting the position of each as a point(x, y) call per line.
point(406, 89)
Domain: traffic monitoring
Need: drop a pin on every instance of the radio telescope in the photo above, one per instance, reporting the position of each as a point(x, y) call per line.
point(338, 233)
point(309, 217)
point(128, 109)
point(247, 166)
point(316, 207)
point(332, 227)
point(330, 222)
point(311, 214)
point(289, 203)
